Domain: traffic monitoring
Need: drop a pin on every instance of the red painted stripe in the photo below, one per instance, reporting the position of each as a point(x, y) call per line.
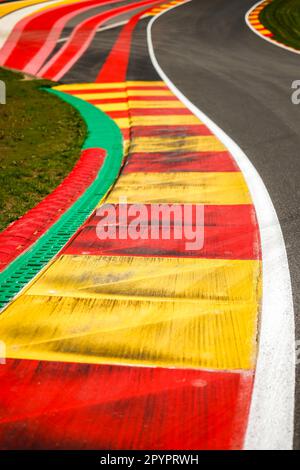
point(230, 232)
point(114, 68)
point(149, 112)
point(56, 405)
point(79, 41)
point(180, 161)
point(117, 114)
point(34, 37)
point(22, 233)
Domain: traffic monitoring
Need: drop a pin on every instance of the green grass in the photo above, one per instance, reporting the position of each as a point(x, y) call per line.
point(282, 18)
point(40, 141)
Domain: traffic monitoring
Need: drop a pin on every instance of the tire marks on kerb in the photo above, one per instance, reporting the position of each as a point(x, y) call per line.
point(153, 308)
point(172, 308)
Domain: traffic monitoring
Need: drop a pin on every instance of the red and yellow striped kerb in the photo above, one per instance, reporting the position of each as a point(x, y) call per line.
point(253, 18)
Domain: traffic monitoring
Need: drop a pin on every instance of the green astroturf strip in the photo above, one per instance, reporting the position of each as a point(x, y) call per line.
point(282, 18)
point(102, 133)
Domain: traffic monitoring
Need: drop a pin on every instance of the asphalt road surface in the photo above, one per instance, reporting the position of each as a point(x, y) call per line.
point(243, 83)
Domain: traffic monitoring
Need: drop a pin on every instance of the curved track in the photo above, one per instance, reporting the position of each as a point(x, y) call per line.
point(244, 84)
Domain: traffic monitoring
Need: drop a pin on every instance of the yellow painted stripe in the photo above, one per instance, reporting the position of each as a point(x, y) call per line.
point(203, 143)
point(101, 95)
point(10, 7)
point(157, 10)
point(184, 120)
point(103, 86)
point(7, 8)
point(112, 106)
point(151, 311)
point(90, 86)
point(123, 123)
point(154, 93)
point(57, 4)
point(126, 145)
point(123, 94)
point(153, 278)
point(189, 188)
point(140, 105)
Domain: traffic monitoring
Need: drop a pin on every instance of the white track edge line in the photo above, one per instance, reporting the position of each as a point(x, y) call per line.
point(261, 36)
point(271, 419)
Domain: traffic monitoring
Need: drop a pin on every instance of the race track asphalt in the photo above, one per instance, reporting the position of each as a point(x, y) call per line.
point(243, 83)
